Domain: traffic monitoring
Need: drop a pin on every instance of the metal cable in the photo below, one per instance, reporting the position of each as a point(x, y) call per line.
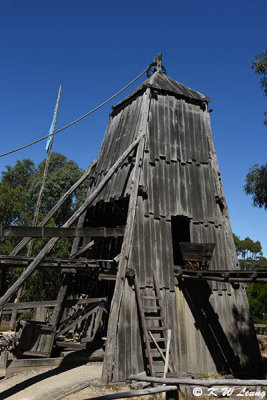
point(76, 120)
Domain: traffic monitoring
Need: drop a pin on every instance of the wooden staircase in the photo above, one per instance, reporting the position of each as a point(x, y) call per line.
point(155, 330)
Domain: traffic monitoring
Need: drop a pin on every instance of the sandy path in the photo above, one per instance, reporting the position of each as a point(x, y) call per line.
point(49, 384)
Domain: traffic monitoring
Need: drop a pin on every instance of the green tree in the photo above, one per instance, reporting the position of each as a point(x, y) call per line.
point(256, 185)
point(248, 252)
point(61, 175)
point(19, 189)
point(257, 297)
point(250, 257)
point(256, 178)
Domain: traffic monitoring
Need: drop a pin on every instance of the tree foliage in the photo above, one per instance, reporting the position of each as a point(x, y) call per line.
point(257, 297)
point(250, 257)
point(247, 250)
point(19, 189)
point(260, 67)
point(256, 178)
point(256, 185)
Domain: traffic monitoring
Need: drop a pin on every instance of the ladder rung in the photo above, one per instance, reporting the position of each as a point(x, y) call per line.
point(158, 374)
point(149, 298)
point(156, 308)
point(153, 318)
point(158, 340)
point(157, 351)
point(160, 362)
point(159, 328)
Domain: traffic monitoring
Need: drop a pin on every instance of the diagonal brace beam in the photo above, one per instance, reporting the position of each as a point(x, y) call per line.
point(48, 247)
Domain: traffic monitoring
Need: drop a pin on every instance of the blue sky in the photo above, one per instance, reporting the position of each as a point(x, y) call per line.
point(93, 48)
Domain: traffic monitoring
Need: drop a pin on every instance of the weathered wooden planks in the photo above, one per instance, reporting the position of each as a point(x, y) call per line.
point(231, 276)
point(127, 244)
point(44, 232)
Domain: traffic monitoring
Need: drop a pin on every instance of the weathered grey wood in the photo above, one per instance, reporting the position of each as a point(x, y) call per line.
point(48, 247)
point(166, 365)
point(135, 393)
point(230, 276)
point(117, 258)
point(157, 346)
point(83, 249)
point(230, 280)
point(107, 277)
point(56, 207)
point(143, 321)
point(83, 263)
point(77, 321)
point(196, 251)
point(60, 299)
point(126, 246)
point(200, 382)
point(29, 305)
point(21, 307)
point(164, 323)
point(43, 232)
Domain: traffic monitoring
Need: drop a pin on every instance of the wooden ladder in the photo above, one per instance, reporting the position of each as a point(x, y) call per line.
point(154, 328)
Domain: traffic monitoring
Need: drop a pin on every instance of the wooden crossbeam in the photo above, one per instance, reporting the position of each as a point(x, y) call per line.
point(48, 247)
point(22, 261)
point(29, 305)
point(48, 232)
point(56, 207)
point(231, 276)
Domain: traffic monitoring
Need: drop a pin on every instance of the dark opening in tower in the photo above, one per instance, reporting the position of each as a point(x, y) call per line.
point(180, 233)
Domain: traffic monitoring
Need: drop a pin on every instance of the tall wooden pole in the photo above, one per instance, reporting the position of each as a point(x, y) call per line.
point(39, 201)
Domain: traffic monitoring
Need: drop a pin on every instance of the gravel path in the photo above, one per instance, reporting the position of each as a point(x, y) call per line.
point(50, 384)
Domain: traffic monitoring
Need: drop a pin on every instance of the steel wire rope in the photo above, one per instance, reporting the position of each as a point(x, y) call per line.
point(76, 120)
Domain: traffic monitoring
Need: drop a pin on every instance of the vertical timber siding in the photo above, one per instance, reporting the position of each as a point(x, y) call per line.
point(211, 327)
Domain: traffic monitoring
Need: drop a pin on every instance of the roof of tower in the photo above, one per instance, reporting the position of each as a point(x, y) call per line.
point(164, 83)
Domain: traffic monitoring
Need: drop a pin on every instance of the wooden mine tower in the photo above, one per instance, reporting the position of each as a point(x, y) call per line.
point(153, 251)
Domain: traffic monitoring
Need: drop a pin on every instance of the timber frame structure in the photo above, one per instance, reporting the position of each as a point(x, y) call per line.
point(152, 253)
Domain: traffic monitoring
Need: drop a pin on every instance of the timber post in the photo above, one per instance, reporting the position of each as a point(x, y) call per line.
point(126, 247)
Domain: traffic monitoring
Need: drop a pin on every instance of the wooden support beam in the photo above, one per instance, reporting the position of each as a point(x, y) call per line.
point(200, 382)
point(29, 305)
point(21, 307)
point(126, 246)
point(136, 393)
point(231, 276)
point(77, 320)
point(48, 247)
point(107, 277)
point(83, 249)
point(56, 207)
point(49, 303)
point(47, 232)
point(80, 263)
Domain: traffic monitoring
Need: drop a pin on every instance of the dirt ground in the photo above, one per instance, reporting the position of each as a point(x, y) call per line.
point(51, 384)
point(55, 384)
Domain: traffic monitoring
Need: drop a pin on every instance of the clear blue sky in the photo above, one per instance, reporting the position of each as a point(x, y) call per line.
point(93, 48)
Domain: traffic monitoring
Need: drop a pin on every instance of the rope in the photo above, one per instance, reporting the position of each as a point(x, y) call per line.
point(76, 120)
